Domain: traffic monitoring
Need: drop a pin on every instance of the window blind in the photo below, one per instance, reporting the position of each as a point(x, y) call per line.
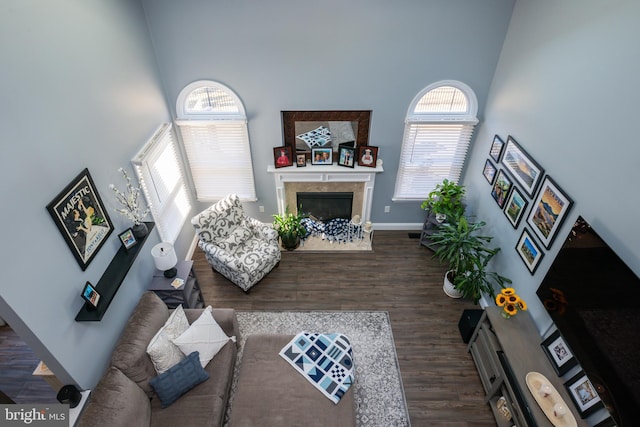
point(219, 158)
point(159, 171)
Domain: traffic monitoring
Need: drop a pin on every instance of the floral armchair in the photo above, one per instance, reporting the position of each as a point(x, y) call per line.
point(240, 248)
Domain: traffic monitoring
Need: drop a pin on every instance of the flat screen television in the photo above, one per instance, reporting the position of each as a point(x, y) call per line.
point(593, 298)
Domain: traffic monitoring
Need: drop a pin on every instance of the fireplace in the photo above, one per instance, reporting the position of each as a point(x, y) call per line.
point(325, 206)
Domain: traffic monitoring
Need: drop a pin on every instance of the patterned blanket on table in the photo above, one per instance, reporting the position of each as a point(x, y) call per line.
point(325, 360)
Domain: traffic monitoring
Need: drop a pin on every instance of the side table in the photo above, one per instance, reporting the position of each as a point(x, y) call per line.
point(189, 294)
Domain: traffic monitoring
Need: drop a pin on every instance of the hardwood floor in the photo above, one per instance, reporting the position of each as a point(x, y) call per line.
point(441, 383)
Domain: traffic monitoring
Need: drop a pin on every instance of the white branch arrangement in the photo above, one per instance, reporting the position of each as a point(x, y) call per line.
point(129, 201)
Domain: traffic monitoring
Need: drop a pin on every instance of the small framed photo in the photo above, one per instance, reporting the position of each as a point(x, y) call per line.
point(526, 171)
point(500, 189)
point(321, 156)
point(515, 206)
point(559, 353)
point(282, 156)
point(549, 210)
point(127, 238)
point(90, 295)
point(301, 160)
point(347, 157)
point(367, 156)
point(583, 394)
point(529, 251)
point(489, 171)
point(496, 148)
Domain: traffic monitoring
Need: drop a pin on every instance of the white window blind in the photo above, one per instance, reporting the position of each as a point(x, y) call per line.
point(159, 170)
point(438, 131)
point(213, 127)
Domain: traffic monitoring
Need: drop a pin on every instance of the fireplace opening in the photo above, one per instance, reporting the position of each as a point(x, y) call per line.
point(325, 206)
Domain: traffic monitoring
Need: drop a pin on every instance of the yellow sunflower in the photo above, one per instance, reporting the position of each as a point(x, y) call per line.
point(501, 300)
point(511, 309)
point(508, 291)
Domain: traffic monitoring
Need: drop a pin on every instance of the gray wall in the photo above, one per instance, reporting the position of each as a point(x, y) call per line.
point(79, 88)
point(328, 55)
point(566, 88)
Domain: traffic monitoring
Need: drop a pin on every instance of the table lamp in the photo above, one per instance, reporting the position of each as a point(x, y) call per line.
point(165, 258)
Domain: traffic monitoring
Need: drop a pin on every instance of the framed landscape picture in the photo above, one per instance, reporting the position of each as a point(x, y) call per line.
point(559, 353)
point(489, 171)
point(515, 206)
point(529, 251)
point(583, 394)
point(500, 189)
point(521, 166)
point(79, 214)
point(550, 208)
point(496, 148)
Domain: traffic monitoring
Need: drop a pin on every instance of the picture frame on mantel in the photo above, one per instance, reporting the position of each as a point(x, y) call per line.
point(332, 128)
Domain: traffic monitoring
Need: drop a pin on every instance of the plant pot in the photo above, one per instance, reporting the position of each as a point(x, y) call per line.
point(289, 242)
point(448, 287)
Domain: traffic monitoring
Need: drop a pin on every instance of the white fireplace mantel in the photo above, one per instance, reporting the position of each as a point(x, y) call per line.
point(326, 174)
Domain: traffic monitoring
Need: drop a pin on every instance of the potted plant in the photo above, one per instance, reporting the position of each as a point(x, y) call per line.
point(445, 201)
point(290, 229)
point(461, 246)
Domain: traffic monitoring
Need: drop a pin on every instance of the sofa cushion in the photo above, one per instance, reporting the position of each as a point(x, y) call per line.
point(130, 354)
point(179, 379)
point(163, 352)
point(204, 336)
point(116, 401)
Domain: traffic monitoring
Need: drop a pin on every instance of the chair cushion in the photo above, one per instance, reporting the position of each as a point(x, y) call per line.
point(163, 352)
point(236, 238)
point(179, 379)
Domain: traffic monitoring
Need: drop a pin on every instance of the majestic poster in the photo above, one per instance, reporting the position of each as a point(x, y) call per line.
point(81, 218)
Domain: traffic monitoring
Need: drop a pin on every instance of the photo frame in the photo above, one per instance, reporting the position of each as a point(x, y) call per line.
point(515, 206)
point(90, 295)
point(529, 251)
point(584, 394)
point(127, 239)
point(301, 160)
point(522, 168)
point(282, 157)
point(321, 156)
point(500, 188)
point(79, 214)
point(489, 171)
point(333, 128)
point(368, 156)
point(548, 212)
point(559, 353)
point(347, 157)
point(496, 148)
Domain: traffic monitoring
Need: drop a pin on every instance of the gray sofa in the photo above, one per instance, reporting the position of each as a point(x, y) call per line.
point(124, 397)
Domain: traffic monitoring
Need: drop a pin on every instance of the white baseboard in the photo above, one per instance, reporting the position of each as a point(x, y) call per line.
point(396, 226)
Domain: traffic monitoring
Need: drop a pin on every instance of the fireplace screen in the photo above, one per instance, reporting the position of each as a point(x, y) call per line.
point(325, 206)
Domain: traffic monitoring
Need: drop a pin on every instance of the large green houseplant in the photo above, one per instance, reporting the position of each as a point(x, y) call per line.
point(445, 201)
point(460, 245)
point(290, 229)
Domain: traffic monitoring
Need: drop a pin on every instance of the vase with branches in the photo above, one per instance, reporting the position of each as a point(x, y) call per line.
point(130, 204)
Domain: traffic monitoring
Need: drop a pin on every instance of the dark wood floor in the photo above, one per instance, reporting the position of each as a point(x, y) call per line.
point(441, 383)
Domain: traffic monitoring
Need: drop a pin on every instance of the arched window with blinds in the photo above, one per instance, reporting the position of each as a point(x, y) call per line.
point(213, 127)
point(438, 130)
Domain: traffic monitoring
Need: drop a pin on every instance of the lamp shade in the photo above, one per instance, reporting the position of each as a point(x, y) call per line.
point(164, 257)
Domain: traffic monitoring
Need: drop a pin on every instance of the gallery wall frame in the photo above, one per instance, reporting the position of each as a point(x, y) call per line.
point(489, 171)
point(79, 214)
point(559, 353)
point(548, 212)
point(515, 206)
point(496, 148)
point(522, 167)
point(500, 188)
point(529, 251)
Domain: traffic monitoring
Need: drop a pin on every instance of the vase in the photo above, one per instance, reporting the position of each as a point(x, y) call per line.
point(505, 314)
point(140, 230)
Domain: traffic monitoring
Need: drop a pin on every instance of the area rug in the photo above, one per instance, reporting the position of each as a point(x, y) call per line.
point(379, 394)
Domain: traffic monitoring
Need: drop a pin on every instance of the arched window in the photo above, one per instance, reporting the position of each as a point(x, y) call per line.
point(213, 126)
point(438, 129)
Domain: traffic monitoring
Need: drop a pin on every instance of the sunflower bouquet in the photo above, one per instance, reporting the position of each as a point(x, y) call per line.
point(510, 302)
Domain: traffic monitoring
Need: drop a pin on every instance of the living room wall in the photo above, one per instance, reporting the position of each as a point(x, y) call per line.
point(80, 88)
point(328, 55)
point(565, 88)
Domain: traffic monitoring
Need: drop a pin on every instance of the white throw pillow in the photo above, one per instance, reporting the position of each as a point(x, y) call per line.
point(162, 351)
point(204, 336)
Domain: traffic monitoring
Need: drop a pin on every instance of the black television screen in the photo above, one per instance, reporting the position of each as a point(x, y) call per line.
point(593, 298)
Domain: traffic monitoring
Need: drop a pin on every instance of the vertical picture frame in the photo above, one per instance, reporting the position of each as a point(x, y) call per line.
point(515, 206)
point(559, 353)
point(529, 251)
point(500, 188)
point(548, 212)
point(127, 239)
point(301, 160)
point(282, 157)
point(496, 148)
point(368, 156)
point(347, 156)
point(489, 171)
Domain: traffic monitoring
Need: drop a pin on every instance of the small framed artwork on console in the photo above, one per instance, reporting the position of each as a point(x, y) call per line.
point(368, 156)
point(90, 295)
point(127, 239)
point(559, 353)
point(584, 394)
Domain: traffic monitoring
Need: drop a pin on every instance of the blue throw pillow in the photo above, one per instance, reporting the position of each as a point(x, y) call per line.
point(179, 379)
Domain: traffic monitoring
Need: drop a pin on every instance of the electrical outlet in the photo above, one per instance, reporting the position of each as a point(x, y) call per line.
point(261, 208)
point(387, 209)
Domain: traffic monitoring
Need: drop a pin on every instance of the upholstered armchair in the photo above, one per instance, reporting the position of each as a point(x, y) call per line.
point(240, 248)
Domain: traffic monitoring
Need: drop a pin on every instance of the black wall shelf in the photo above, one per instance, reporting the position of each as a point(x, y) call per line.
point(112, 279)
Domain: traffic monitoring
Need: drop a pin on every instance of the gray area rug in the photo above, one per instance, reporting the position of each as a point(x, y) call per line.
point(379, 394)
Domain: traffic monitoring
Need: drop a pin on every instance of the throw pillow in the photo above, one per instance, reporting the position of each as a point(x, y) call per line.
point(204, 336)
point(179, 379)
point(162, 351)
point(236, 238)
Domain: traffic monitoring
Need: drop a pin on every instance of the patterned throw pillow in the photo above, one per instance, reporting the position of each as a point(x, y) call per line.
point(163, 352)
point(179, 379)
point(236, 238)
